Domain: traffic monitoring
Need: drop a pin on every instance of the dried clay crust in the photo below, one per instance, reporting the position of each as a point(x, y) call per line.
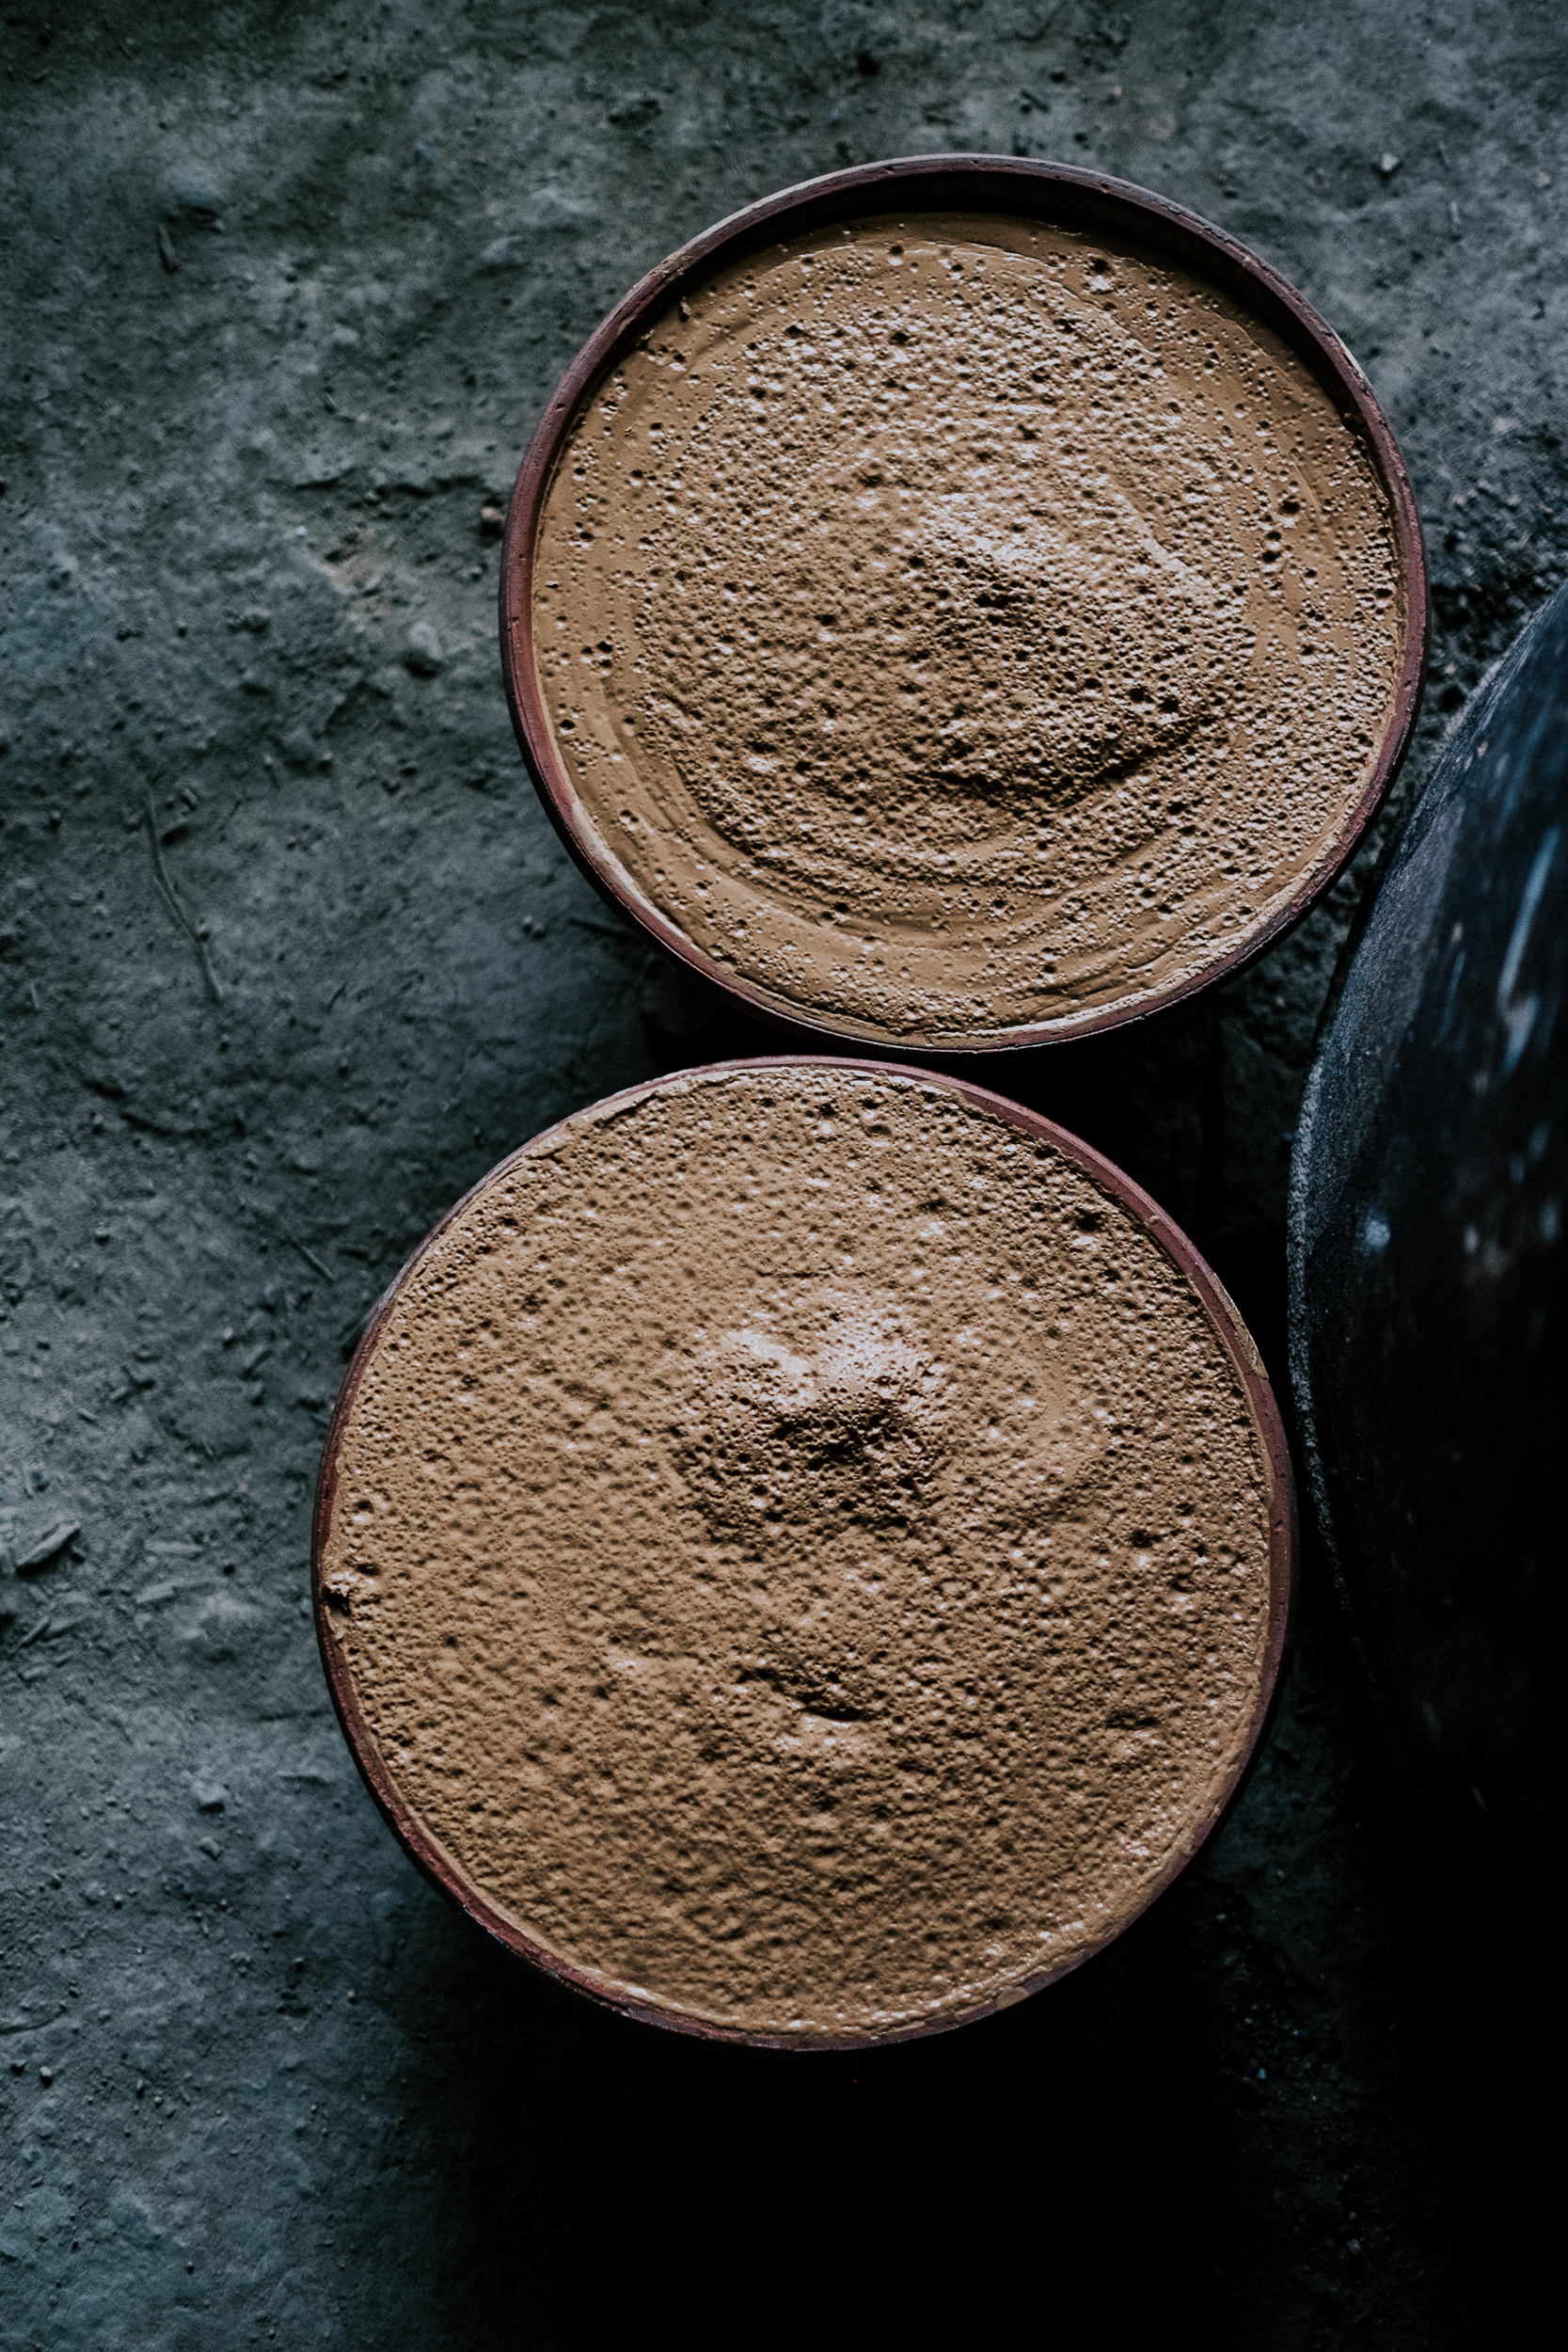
point(955, 625)
point(800, 1550)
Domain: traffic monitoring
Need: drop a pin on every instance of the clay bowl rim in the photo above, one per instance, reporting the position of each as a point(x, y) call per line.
point(1047, 191)
point(439, 1868)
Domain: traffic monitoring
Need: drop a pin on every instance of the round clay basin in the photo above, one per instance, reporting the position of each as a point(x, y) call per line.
point(803, 1553)
point(963, 604)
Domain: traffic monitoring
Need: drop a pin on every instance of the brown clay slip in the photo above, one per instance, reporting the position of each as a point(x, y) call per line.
point(803, 1553)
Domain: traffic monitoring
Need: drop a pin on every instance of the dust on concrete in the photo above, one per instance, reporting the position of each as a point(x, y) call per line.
point(286, 291)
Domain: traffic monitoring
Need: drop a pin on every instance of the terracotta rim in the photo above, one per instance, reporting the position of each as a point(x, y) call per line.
point(924, 182)
point(439, 1867)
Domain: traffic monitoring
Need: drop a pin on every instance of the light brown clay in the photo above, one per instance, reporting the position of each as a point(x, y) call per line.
point(955, 625)
point(800, 1550)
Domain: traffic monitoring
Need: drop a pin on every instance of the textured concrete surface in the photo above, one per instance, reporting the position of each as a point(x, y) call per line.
point(285, 289)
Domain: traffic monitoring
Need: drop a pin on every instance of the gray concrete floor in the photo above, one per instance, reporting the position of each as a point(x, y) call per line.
point(286, 288)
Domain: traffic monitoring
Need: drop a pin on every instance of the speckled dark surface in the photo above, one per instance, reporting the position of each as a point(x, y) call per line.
point(285, 291)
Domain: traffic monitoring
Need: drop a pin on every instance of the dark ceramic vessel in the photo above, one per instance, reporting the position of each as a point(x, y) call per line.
point(437, 1866)
point(1427, 1266)
point(1039, 191)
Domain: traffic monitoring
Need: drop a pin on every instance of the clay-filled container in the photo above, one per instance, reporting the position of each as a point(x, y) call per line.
point(803, 1553)
point(963, 604)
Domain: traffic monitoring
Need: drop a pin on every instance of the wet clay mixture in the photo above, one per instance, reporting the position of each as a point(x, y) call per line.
point(801, 1550)
point(955, 625)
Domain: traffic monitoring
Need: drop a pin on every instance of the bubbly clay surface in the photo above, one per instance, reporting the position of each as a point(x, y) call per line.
point(801, 1549)
point(952, 625)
